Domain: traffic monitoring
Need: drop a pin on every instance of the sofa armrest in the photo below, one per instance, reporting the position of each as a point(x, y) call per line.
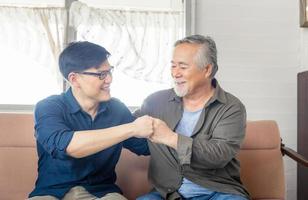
point(293, 155)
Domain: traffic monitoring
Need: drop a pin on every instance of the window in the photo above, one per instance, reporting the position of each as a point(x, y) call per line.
point(139, 36)
point(140, 40)
point(24, 80)
point(30, 39)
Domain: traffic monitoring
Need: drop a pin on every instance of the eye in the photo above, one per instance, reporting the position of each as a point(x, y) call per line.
point(104, 74)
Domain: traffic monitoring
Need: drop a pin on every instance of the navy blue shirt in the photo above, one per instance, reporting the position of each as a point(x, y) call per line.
point(56, 119)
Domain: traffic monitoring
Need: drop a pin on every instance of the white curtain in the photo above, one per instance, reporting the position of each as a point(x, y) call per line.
point(140, 41)
point(37, 33)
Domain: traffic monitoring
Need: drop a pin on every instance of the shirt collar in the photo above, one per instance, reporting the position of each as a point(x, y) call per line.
point(219, 93)
point(74, 106)
point(174, 97)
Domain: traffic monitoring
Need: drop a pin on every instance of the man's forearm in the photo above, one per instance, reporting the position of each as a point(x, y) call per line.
point(85, 143)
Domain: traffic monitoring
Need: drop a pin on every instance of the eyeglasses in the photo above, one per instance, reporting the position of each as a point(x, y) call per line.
point(101, 75)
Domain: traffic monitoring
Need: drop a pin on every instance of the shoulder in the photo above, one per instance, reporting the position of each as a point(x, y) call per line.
point(225, 98)
point(159, 99)
point(119, 109)
point(161, 96)
point(51, 104)
point(232, 107)
point(117, 104)
point(234, 101)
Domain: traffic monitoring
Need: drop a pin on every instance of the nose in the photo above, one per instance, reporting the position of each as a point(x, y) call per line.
point(108, 78)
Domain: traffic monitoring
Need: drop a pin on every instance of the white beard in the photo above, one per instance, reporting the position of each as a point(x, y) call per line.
point(180, 91)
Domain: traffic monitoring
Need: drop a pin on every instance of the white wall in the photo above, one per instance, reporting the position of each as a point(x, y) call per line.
point(261, 48)
point(304, 49)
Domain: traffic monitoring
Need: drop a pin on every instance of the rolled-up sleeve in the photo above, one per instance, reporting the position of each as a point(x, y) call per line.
point(184, 149)
point(138, 146)
point(51, 131)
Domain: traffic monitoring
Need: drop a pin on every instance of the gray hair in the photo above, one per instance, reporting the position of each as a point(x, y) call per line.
point(207, 54)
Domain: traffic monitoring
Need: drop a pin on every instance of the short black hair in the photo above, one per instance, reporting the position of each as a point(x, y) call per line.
point(79, 56)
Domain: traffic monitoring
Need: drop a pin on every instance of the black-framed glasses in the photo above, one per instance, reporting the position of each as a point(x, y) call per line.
point(101, 75)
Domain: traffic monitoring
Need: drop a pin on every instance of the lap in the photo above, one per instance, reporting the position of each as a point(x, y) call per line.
point(113, 196)
point(81, 193)
point(219, 196)
point(213, 196)
point(47, 197)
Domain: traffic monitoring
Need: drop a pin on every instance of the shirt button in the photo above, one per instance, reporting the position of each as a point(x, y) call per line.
point(169, 190)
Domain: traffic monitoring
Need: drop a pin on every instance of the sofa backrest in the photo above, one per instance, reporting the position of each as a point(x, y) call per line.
point(261, 161)
point(18, 158)
point(262, 170)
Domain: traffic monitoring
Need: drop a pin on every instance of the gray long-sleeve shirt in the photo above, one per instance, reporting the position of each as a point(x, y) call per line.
point(208, 157)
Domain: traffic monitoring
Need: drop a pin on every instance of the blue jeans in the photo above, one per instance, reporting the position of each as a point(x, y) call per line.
point(151, 196)
point(212, 196)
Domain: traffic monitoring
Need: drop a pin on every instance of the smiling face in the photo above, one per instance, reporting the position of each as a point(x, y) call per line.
point(188, 77)
point(91, 88)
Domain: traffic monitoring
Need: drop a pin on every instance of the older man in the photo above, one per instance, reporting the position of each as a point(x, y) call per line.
point(199, 130)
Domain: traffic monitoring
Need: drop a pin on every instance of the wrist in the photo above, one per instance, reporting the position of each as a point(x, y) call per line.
point(130, 129)
point(173, 140)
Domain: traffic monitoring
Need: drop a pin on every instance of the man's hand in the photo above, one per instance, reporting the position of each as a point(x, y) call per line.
point(163, 134)
point(143, 127)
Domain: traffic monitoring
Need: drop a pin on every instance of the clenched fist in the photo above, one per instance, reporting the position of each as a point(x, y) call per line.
point(143, 127)
point(163, 134)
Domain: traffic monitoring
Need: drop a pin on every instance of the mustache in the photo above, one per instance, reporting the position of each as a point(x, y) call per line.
point(179, 80)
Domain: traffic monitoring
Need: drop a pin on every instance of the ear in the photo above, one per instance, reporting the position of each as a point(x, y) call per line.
point(208, 70)
point(73, 79)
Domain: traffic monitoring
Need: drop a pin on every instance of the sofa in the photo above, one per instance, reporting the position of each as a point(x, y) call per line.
point(18, 161)
point(261, 157)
